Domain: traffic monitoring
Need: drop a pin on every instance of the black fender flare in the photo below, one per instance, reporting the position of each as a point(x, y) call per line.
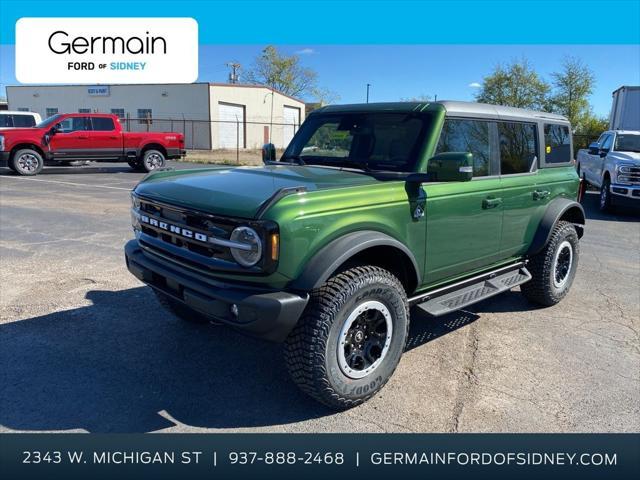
point(331, 256)
point(555, 210)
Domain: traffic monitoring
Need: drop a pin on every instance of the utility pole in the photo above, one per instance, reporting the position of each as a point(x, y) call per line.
point(368, 86)
point(233, 75)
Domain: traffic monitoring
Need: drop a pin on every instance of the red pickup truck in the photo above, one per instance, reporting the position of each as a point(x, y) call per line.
point(85, 136)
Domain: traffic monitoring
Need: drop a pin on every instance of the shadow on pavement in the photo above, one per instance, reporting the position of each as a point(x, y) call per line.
point(77, 170)
point(112, 366)
point(620, 213)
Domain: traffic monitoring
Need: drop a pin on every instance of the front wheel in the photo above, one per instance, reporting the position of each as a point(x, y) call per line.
point(27, 162)
point(350, 338)
point(605, 195)
point(152, 160)
point(554, 268)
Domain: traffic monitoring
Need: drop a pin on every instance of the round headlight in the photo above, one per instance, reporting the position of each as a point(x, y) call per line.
point(251, 255)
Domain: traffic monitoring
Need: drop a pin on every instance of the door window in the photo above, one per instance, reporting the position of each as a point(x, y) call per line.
point(74, 124)
point(102, 124)
point(5, 121)
point(606, 143)
point(23, 121)
point(468, 136)
point(517, 147)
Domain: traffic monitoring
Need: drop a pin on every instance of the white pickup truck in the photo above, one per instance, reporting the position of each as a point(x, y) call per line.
point(612, 164)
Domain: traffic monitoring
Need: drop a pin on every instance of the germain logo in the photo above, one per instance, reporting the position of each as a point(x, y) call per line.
point(184, 232)
point(106, 50)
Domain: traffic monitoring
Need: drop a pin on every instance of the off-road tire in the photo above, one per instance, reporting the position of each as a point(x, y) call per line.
point(180, 310)
point(21, 156)
point(152, 160)
point(311, 350)
point(542, 289)
point(605, 204)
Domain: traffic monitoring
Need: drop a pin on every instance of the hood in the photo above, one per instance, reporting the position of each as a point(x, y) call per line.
point(19, 131)
point(632, 157)
point(239, 192)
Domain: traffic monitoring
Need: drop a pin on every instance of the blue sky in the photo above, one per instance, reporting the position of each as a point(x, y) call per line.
point(403, 71)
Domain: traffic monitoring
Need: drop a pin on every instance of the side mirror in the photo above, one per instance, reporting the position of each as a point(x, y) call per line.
point(594, 148)
point(603, 152)
point(268, 153)
point(55, 129)
point(451, 167)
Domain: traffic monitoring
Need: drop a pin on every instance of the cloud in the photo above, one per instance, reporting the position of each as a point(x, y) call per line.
point(474, 85)
point(306, 51)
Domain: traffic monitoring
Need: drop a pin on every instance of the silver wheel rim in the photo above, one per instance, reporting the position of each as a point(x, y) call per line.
point(562, 264)
point(27, 163)
point(380, 340)
point(154, 161)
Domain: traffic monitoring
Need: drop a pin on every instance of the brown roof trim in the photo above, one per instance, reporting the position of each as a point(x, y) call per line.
point(250, 85)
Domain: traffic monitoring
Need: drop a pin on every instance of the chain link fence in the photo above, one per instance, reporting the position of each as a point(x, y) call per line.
point(238, 135)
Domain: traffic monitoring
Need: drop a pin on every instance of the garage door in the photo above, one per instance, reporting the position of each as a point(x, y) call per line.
point(291, 123)
point(231, 126)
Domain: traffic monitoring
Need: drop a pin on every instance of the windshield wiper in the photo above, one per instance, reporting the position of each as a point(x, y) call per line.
point(295, 159)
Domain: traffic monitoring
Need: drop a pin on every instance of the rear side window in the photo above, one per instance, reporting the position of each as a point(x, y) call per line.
point(102, 124)
point(23, 121)
point(517, 147)
point(557, 144)
point(468, 136)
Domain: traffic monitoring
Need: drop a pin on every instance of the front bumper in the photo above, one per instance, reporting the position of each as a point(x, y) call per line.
point(4, 159)
point(625, 192)
point(267, 314)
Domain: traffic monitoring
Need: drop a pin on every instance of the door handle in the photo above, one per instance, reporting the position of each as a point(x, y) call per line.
point(491, 203)
point(82, 137)
point(540, 194)
point(113, 137)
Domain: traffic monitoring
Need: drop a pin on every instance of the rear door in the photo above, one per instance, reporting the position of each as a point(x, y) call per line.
point(105, 139)
point(464, 219)
point(523, 199)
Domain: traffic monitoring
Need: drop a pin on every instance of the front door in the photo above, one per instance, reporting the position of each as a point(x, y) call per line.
point(72, 138)
point(464, 219)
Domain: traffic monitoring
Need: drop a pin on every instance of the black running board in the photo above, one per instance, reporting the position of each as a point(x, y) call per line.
point(467, 292)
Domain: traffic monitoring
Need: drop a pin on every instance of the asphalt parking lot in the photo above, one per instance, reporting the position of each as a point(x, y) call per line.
point(85, 347)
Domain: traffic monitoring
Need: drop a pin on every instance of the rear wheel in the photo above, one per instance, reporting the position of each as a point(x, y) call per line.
point(152, 160)
point(350, 338)
point(134, 164)
point(27, 162)
point(554, 268)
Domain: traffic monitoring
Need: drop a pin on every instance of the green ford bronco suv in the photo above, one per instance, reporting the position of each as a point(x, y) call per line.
point(372, 209)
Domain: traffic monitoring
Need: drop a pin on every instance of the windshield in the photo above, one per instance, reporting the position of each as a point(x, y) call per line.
point(627, 142)
point(48, 121)
point(366, 141)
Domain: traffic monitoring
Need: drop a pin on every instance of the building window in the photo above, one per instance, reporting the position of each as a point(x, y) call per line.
point(50, 111)
point(468, 136)
point(119, 112)
point(144, 116)
point(557, 144)
point(517, 147)
point(84, 110)
point(23, 109)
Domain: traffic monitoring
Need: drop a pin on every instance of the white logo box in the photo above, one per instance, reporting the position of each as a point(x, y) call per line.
point(130, 50)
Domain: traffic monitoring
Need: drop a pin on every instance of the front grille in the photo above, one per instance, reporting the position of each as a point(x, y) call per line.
point(197, 222)
point(629, 175)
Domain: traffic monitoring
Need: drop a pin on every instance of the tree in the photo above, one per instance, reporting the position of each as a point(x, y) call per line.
point(514, 85)
point(572, 87)
point(283, 73)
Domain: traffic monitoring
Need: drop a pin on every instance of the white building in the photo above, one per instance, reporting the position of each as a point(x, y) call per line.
point(211, 115)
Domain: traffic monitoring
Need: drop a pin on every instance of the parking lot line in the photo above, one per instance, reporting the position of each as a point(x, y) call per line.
point(66, 183)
